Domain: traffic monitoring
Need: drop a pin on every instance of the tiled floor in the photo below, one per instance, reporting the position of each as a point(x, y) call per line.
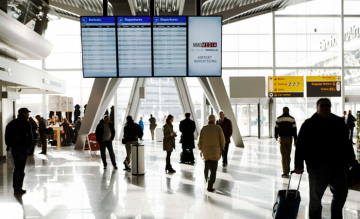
point(65, 184)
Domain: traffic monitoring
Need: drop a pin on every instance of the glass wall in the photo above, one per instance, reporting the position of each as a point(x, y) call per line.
point(307, 43)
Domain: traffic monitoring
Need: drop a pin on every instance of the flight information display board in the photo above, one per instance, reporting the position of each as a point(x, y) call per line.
point(134, 46)
point(204, 49)
point(98, 37)
point(170, 46)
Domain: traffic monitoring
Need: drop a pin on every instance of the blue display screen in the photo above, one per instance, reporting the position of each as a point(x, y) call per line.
point(169, 46)
point(134, 46)
point(98, 38)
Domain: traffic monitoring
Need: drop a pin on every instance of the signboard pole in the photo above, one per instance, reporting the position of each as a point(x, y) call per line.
point(152, 8)
point(198, 7)
point(259, 120)
point(105, 8)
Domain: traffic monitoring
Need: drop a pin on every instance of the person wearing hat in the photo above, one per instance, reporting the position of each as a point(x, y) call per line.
point(19, 138)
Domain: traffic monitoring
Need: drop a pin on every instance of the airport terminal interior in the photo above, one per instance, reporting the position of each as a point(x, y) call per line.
point(313, 46)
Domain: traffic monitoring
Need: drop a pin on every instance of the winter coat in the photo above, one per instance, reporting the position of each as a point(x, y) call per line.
point(227, 128)
point(211, 142)
point(99, 132)
point(187, 129)
point(169, 139)
point(152, 121)
point(132, 129)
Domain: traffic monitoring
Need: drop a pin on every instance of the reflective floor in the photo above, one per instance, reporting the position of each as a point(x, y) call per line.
point(65, 184)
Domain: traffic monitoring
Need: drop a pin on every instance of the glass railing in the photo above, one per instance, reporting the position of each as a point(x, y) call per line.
point(35, 14)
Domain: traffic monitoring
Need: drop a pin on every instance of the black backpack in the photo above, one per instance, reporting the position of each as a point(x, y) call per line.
point(13, 134)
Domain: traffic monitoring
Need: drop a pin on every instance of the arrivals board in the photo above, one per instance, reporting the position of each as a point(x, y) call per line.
point(170, 46)
point(134, 46)
point(98, 37)
point(323, 86)
point(204, 48)
point(286, 86)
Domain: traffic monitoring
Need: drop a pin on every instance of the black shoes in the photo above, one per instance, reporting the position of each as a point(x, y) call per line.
point(115, 167)
point(42, 153)
point(224, 164)
point(19, 192)
point(169, 169)
point(127, 167)
point(211, 189)
point(105, 167)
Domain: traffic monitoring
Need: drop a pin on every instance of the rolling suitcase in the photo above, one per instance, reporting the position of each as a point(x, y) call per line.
point(287, 202)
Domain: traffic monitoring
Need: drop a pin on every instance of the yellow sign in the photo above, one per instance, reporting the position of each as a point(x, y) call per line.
point(285, 84)
point(323, 78)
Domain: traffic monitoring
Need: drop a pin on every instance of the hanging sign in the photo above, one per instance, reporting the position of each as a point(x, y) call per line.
point(54, 103)
point(285, 86)
point(323, 86)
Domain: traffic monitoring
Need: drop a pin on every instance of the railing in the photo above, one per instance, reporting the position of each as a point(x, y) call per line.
point(35, 14)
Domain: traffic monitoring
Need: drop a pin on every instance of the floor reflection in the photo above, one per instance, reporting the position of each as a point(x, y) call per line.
point(64, 184)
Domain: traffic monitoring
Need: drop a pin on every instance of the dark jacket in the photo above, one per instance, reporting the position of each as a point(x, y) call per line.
point(132, 129)
point(33, 127)
point(18, 133)
point(324, 142)
point(187, 129)
point(99, 132)
point(351, 121)
point(152, 121)
point(227, 128)
point(42, 125)
point(286, 127)
point(78, 125)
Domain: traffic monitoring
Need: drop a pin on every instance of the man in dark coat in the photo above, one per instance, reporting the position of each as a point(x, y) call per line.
point(351, 124)
point(324, 145)
point(187, 129)
point(105, 134)
point(152, 122)
point(227, 128)
point(19, 138)
point(42, 133)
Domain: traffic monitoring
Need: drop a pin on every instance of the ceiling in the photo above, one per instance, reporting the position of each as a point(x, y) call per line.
point(230, 10)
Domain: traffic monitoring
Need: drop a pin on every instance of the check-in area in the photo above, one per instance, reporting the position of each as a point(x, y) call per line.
point(180, 109)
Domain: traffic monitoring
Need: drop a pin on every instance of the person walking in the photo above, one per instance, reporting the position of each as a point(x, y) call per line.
point(132, 131)
point(187, 129)
point(152, 121)
point(324, 145)
point(34, 132)
point(141, 124)
point(78, 124)
point(227, 128)
point(285, 128)
point(19, 138)
point(42, 133)
point(351, 125)
point(344, 117)
point(169, 141)
point(211, 144)
point(105, 134)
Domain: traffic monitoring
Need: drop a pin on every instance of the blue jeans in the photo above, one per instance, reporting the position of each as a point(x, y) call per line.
point(225, 153)
point(319, 179)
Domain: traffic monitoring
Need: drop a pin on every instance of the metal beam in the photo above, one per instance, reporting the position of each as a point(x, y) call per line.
point(223, 101)
point(186, 101)
point(75, 10)
point(208, 93)
point(97, 94)
point(134, 102)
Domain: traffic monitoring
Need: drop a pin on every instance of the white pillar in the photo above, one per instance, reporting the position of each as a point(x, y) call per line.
point(342, 40)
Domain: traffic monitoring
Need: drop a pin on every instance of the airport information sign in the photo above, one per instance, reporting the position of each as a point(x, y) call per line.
point(170, 46)
point(98, 47)
point(285, 86)
point(204, 49)
point(134, 46)
point(323, 86)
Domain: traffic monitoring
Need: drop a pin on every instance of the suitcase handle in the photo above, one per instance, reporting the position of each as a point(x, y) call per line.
point(297, 191)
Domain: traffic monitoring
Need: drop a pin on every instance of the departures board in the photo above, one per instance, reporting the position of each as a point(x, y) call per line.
point(134, 46)
point(151, 46)
point(170, 45)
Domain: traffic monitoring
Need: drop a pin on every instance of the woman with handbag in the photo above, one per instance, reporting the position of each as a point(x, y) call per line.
point(169, 141)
